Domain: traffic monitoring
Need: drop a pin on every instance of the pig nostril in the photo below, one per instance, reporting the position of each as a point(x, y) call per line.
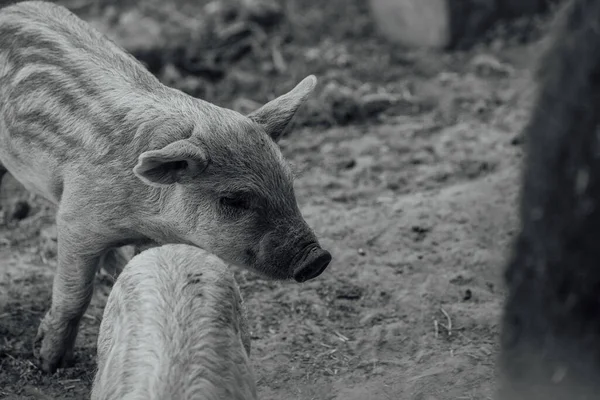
point(313, 268)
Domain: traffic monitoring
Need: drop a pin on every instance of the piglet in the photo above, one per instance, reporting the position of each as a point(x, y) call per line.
point(174, 327)
point(130, 161)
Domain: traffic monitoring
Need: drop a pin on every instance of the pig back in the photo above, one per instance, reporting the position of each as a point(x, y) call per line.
point(174, 327)
point(70, 98)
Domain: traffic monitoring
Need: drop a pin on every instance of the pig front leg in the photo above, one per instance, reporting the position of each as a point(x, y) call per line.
point(78, 258)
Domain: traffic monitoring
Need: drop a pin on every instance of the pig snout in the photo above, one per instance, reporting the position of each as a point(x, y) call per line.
point(314, 260)
point(292, 252)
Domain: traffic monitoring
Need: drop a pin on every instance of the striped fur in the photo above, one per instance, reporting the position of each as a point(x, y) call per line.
point(174, 327)
point(129, 161)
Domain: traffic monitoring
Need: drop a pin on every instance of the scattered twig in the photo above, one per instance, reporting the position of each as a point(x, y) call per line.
point(430, 372)
point(436, 327)
point(328, 353)
point(269, 356)
point(278, 60)
point(380, 362)
point(91, 317)
point(65, 381)
point(449, 327)
point(341, 337)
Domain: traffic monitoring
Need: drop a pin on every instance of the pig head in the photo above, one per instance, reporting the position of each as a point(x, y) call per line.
point(227, 189)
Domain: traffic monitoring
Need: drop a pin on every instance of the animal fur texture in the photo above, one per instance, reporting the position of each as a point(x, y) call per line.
point(129, 161)
point(174, 327)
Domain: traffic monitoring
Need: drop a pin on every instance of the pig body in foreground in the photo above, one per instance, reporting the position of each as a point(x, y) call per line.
point(129, 161)
point(174, 327)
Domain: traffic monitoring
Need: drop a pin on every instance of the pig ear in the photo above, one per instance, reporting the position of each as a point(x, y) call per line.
point(277, 114)
point(174, 163)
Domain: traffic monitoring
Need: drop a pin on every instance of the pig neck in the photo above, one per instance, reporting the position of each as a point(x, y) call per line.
point(158, 213)
point(150, 126)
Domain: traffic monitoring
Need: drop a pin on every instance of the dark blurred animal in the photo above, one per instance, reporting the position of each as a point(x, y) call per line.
point(129, 161)
point(550, 342)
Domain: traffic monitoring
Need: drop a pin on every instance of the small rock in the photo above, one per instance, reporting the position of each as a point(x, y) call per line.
point(361, 252)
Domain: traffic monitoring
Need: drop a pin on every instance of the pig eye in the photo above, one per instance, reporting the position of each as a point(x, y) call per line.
point(239, 203)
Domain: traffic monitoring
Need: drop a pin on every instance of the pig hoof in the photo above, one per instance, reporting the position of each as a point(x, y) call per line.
point(50, 350)
point(313, 265)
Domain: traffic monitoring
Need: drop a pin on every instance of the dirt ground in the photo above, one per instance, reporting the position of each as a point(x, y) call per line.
point(408, 165)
